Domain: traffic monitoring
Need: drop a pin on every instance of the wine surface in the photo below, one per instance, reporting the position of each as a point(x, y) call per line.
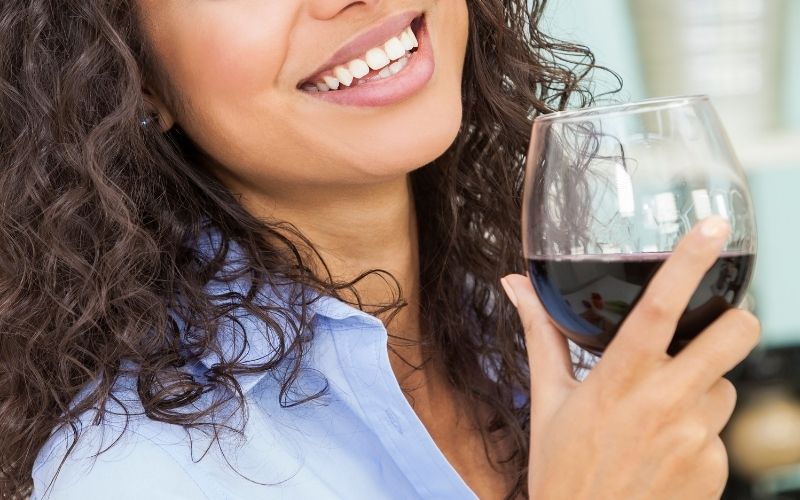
point(588, 297)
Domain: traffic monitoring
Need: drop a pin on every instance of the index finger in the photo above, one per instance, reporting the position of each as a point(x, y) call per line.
point(652, 323)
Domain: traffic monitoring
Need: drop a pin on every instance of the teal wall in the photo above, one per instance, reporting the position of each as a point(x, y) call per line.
point(606, 27)
point(792, 66)
point(776, 288)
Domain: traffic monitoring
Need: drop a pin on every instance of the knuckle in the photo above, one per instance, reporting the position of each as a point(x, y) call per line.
point(698, 456)
point(528, 324)
point(689, 438)
point(714, 463)
point(697, 251)
point(747, 327)
point(654, 307)
point(729, 393)
point(706, 469)
point(665, 395)
point(527, 319)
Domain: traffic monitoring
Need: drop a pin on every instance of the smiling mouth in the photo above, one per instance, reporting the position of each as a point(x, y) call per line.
point(377, 63)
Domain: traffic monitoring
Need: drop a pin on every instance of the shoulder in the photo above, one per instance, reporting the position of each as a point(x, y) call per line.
point(92, 461)
point(117, 450)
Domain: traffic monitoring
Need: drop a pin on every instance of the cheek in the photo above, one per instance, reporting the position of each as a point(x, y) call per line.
point(227, 64)
point(226, 52)
point(228, 67)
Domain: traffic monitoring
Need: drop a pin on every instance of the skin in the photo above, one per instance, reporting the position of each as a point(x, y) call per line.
point(235, 65)
point(642, 425)
point(335, 170)
point(230, 70)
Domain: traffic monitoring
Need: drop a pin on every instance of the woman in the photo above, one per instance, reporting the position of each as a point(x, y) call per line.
point(254, 249)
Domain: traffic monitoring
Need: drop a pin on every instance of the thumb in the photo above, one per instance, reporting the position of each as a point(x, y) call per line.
point(548, 350)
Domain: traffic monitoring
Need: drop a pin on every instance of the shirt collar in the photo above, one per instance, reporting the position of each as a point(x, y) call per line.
point(242, 335)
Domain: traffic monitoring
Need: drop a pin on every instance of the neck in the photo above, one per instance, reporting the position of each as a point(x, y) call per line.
point(356, 229)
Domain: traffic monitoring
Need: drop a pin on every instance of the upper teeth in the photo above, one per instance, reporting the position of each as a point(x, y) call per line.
point(375, 58)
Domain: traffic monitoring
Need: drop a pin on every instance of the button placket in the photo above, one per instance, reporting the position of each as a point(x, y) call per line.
point(376, 391)
point(415, 448)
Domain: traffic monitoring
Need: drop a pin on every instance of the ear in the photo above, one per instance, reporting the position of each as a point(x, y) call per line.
point(155, 104)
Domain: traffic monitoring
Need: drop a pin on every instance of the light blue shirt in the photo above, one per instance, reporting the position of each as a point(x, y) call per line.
point(362, 440)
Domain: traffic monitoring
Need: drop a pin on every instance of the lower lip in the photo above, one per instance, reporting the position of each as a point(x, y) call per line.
point(412, 78)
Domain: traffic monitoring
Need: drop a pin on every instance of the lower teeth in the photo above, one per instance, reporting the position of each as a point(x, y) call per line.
point(386, 72)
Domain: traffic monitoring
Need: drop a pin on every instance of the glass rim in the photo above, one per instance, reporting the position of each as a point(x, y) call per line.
point(641, 106)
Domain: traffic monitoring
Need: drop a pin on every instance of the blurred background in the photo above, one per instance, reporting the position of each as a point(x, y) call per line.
point(745, 54)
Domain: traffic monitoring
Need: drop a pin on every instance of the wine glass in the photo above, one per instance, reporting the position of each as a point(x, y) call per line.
point(609, 191)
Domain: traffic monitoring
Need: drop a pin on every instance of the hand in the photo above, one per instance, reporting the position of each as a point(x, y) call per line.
point(643, 424)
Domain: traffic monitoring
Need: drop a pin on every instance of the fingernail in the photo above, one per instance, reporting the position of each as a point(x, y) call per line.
point(511, 295)
point(713, 227)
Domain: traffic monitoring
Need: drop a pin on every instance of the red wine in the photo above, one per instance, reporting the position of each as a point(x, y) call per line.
point(588, 297)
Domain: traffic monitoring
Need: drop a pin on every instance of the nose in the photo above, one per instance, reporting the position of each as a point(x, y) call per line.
point(327, 9)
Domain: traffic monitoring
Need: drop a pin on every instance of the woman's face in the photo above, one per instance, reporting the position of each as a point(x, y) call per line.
point(244, 70)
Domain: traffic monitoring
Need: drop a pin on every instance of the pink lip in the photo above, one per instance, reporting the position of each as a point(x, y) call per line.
point(362, 42)
point(413, 77)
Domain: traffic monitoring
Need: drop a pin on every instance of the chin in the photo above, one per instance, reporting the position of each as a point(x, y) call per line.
point(405, 139)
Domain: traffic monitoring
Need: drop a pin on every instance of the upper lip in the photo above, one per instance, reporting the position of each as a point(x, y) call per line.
point(367, 39)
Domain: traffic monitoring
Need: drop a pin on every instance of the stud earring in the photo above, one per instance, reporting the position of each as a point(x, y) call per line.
point(146, 121)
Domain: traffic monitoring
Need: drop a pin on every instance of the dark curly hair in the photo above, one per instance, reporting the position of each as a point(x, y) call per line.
point(97, 216)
